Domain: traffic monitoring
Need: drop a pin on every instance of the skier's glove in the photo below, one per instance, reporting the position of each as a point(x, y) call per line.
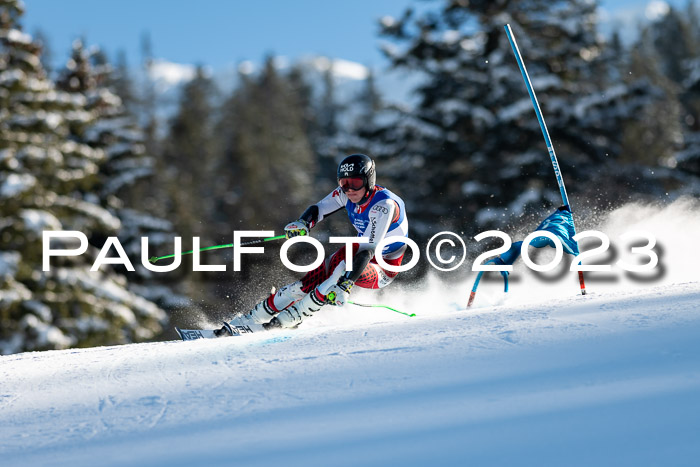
point(339, 294)
point(296, 228)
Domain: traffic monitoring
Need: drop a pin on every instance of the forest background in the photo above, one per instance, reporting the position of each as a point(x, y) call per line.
point(93, 146)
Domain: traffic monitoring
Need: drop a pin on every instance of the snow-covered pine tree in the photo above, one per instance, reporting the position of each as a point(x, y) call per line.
point(126, 172)
point(46, 180)
point(46, 57)
point(474, 139)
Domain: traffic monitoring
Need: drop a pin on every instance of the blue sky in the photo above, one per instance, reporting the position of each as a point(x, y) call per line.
point(217, 32)
point(224, 32)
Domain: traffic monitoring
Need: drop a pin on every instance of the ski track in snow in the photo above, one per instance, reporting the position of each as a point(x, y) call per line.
point(542, 377)
point(602, 379)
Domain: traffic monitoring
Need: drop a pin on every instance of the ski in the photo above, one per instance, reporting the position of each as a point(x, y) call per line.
point(195, 334)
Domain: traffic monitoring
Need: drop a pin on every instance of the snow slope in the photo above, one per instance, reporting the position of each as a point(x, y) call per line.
point(547, 377)
point(595, 380)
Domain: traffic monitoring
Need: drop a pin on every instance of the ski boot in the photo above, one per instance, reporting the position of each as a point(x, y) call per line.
point(265, 311)
point(294, 314)
point(287, 295)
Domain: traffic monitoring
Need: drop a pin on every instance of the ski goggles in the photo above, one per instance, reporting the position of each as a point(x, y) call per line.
point(351, 183)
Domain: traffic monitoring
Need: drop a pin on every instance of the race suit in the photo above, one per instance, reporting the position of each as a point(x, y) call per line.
point(382, 215)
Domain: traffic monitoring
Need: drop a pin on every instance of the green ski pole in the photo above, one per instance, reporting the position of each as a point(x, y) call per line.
point(382, 306)
point(217, 247)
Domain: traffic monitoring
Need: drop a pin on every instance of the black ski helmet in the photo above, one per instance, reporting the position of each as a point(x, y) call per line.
point(359, 165)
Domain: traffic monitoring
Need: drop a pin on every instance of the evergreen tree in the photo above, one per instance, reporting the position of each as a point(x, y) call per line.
point(46, 182)
point(653, 135)
point(189, 159)
point(122, 84)
point(89, 74)
point(127, 170)
point(302, 89)
point(324, 150)
point(267, 164)
point(370, 101)
point(688, 156)
point(668, 55)
point(673, 40)
point(46, 52)
point(474, 139)
point(328, 115)
point(148, 102)
point(328, 108)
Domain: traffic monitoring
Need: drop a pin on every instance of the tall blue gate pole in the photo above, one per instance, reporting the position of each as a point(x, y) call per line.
point(543, 127)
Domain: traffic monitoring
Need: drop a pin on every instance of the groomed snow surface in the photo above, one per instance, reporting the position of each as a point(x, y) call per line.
point(544, 377)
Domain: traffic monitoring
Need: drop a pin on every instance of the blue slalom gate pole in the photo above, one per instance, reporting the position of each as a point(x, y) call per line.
point(543, 127)
point(538, 112)
point(550, 149)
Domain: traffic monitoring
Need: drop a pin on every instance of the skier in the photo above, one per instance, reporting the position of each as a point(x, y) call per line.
point(375, 212)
